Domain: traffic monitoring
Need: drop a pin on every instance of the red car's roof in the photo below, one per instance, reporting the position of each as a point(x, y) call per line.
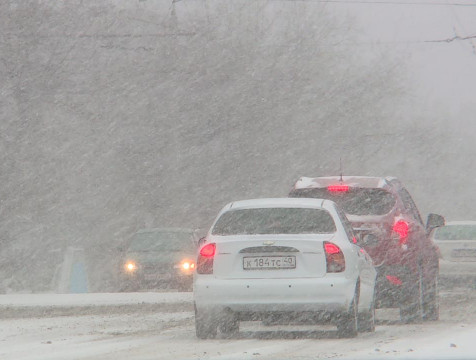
point(356, 181)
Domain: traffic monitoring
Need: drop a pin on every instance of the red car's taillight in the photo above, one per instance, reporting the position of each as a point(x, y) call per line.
point(205, 259)
point(401, 227)
point(334, 258)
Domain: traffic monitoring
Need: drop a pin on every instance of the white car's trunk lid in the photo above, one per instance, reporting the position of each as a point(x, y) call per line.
point(270, 256)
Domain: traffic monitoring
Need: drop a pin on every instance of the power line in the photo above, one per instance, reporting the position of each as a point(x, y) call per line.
point(383, 2)
point(456, 37)
point(473, 43)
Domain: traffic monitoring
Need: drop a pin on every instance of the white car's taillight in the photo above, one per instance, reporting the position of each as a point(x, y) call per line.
point(205, 259)
point(334, 258)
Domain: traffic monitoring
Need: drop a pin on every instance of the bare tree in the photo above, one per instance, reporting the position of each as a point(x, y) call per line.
point(115, 117)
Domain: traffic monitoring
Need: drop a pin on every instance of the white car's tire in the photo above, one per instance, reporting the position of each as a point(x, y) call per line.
point(366, 321)
point(229, 325)
point(347, 325)
point(205, 325)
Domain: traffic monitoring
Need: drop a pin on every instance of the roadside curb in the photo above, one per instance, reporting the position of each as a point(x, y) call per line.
point(14, 306)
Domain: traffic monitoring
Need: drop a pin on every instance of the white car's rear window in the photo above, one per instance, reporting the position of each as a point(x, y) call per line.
point(274, 221)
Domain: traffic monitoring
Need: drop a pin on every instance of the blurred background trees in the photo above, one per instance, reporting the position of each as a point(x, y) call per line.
point(121, 115)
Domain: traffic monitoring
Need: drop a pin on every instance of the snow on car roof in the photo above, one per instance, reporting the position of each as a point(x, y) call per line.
point(460, 222)
point(356, 181)
point(276, 202)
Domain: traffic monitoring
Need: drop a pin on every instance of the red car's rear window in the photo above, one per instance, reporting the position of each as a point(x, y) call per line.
point(355, 201)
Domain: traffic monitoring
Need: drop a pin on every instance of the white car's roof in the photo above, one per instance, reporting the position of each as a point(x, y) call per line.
point(277, 202)
point(448, 223)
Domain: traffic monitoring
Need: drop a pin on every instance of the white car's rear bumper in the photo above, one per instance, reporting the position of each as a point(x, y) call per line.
point(269, 295)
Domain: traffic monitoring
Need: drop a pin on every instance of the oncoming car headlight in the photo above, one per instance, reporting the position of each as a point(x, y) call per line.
point(130, 266)
point(186, 266)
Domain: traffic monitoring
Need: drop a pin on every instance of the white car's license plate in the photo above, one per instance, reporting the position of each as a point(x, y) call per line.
point(269, 262)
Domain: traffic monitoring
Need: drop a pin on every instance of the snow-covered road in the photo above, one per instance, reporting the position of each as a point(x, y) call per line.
point(160, 326)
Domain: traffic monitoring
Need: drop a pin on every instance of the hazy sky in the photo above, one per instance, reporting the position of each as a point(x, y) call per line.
point(412, 31)
point(444, 72)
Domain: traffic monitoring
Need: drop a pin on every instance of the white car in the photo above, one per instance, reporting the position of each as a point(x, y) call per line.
point(290, 258)
point(457, 244)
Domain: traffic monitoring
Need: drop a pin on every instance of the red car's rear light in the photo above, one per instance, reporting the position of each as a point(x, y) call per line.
point(334, 258)
point(205, 259)
point(338, 188)
point(401, 227)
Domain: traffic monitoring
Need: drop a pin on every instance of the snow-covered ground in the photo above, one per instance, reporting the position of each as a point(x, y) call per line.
point(111, 299)
point(160, 326)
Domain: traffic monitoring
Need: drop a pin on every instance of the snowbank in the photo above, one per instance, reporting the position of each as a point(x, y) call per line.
point(92, 299)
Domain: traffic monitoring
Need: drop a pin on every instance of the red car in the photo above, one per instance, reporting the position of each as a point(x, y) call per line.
point(392, 232)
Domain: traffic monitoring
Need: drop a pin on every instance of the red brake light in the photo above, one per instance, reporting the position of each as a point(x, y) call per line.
point(334, 258)
point(331, 248)
point(401, 227)
point(208, 250)
point(205, 259)
point(338, 188)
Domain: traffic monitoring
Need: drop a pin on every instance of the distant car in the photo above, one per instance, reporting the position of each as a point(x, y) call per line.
point(278, 259)
point(162, 258)
point(391, 230)
point(457, 244)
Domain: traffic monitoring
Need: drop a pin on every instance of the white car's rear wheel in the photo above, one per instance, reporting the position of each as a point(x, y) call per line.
point(205, 325)
point(229, 325)
point(347, 325)
point(367, 319)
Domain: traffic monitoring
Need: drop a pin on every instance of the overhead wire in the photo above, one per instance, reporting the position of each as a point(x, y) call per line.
point(383, 2)
point(379, 2)
point(471, 38)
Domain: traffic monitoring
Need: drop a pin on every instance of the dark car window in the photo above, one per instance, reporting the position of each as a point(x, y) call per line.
point(356, 201)
point(456, 232)
point(275, 221)
point(161, 241)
